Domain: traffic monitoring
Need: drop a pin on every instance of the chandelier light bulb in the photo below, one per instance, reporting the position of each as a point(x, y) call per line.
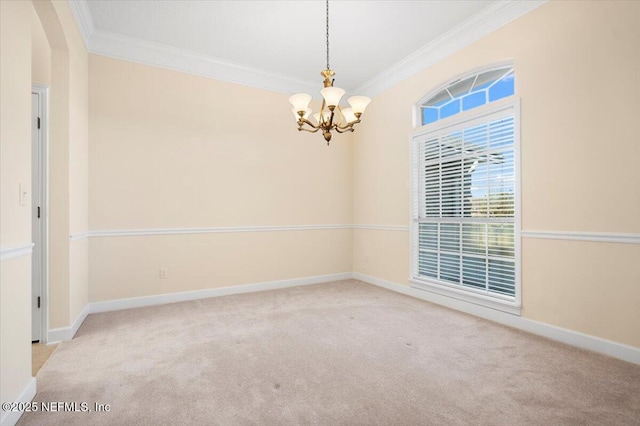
point(332, 96)
point(348, 115)
point(297, 116)
point(358, 104)
point(300, 101)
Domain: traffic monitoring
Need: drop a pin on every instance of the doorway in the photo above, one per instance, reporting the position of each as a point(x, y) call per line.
point(39, 125)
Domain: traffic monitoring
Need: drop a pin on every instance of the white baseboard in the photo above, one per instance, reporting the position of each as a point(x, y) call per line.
point(62, 334)
point(57, 335)
point(570, 337)
point(10, 418)
point(563, 335)
point(161, 299)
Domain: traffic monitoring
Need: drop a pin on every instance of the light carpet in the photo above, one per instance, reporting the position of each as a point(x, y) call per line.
point(342, 353)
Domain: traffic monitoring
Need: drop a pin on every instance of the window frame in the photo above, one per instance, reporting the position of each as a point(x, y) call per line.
point(417, 107)
point(507, 106)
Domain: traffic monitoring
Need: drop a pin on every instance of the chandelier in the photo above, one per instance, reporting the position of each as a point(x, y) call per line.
point(331, 116)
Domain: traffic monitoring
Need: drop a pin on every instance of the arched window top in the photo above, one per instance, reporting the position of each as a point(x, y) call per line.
point(468, 93)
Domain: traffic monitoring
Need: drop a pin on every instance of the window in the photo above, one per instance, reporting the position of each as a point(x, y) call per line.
point(465, 183)
point(469, 93)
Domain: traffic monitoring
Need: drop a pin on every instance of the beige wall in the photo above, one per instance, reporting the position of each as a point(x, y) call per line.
point(129, 266)
point(172, 150)
point(15, 220)
point(40, 52)
point(40, 43)
point(68, 163)
point(78, 163)
point(577, 74)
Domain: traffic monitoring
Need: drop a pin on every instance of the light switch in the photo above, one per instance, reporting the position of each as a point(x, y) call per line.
point(23, 194)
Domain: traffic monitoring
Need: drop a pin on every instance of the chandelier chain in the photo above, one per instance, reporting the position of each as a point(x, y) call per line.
point(328, 35)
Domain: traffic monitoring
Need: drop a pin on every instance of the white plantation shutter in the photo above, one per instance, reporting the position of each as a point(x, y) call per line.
point(464, 182)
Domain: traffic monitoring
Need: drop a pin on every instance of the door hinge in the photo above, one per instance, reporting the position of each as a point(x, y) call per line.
point(38, 212)
point(38, 122)
point(38, 302)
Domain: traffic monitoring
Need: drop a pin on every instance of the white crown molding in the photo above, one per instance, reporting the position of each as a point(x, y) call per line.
point(84, 21)
point(598, 237)
point(570, 337)
point(476, 27)
point(154, 54)
point(10, 418)
point(163, 56)
point(7, 253)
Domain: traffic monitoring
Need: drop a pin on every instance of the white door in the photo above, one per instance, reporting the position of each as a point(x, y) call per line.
point(36, 191)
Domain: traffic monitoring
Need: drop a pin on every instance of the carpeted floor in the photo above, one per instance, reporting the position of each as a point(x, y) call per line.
point(343, 353)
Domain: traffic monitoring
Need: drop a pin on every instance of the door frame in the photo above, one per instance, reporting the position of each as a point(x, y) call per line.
point(41, 239)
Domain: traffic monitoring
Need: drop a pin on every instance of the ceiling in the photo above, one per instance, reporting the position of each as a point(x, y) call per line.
point(280, 45)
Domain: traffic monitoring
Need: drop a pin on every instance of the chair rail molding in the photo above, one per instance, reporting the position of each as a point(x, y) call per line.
point(599, 237)
point(231, 229)
point(7, 253)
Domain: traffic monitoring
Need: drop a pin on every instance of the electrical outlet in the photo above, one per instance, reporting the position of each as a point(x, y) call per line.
point(164, 273)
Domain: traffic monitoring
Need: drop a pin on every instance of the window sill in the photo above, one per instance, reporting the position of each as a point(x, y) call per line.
point(466, 296)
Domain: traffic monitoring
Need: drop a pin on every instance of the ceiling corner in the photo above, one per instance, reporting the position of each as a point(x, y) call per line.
point(478, 26)
point(84, 21)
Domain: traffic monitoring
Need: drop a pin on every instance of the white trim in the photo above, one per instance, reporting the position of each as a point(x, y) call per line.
point(230, 229)
point(159, 55)
point(10, 418)
point(467, 295)
point(476, 27)
point(570, 337)
point(382, 227)
point(463, 119)
point(40, 192)
point(172, 231)
point(600, 237)
point(79, 236)
point(84, 21)
point(417, 107)
point(501, 108)
point(131, 49)
point(7, 253)
point(161, 299)
point(62, 334)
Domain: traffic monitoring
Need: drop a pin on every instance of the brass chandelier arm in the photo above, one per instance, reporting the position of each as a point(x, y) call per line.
point(302, 121)
point(348, 125)
point(326, 126)
point(300, 129)
point(345, 129)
